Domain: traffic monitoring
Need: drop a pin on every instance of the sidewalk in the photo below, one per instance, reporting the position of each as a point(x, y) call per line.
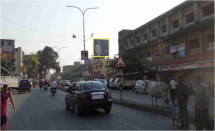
point(131, 96)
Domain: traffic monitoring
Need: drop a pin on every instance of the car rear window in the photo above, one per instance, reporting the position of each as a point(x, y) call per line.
point(92, 86)
point(24, 82)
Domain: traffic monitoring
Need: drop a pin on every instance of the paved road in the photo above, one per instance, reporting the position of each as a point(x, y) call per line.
point(130, 95)
point(41, 111)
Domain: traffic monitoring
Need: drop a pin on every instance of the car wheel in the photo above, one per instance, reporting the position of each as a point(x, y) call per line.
point(107, 110)
point(67, 105)
point(136, 91)
point(77, 110)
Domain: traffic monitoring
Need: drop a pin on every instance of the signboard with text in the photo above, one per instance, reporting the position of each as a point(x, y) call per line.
point(84, 55)
point(7, 49)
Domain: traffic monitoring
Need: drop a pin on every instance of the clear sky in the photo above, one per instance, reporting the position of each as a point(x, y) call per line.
point(38, 23)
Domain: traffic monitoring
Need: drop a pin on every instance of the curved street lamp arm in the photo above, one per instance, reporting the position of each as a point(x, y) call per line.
point(62, 48)
point(90, 8)
point(77, 8)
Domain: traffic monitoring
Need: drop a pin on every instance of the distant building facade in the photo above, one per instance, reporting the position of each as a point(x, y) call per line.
point(100, 67)
point(179, 42)
point(19, 66)
point(67, 68)
point(11, 58)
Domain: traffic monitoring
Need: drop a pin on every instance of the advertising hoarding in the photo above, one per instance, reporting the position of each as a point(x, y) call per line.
point(101, 47)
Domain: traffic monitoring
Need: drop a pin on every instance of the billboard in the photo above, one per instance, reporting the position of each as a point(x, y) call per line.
point(101, 47)
point(85, 73)
point(84, 55)
point(7, 49)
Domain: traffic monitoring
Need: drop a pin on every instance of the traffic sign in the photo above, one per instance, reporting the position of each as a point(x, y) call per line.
point(120, 62)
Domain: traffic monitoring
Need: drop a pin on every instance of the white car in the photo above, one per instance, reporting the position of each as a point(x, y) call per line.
point(112, 82)
point(66, 83)
point(103, 81)
point(2, 83)
point(140, 87)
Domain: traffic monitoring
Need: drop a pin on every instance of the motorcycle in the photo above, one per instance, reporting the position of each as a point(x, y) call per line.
point(53, 91)
point(45, 87)
point(41, 86)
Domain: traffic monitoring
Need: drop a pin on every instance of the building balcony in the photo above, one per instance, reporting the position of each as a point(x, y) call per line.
point(193, 58)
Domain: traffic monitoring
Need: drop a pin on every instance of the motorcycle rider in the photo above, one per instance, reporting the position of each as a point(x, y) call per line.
point(54, 85)
point(40, 83)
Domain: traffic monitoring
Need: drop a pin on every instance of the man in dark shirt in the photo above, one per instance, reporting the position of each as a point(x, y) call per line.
point(182, 96)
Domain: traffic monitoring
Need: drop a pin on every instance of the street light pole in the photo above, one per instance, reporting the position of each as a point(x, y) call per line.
point(83, 13)
point(58, 52)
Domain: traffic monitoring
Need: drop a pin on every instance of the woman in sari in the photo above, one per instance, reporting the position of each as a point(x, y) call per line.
point(5, 94)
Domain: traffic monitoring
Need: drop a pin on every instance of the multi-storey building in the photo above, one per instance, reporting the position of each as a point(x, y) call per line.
point(178, 42)
point(11, 58)
point(100, 67)
point(67, 68)
point(19, 67)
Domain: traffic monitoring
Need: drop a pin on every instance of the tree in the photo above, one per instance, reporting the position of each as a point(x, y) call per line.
point(134, 67)
point(48, 60)
point(32, 64)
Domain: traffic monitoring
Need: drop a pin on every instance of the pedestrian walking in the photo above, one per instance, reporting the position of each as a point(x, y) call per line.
point(202, 100)
point(172, 88)
point(174, 112)
point(182, 96)
point(158, 79)
point(5, 94)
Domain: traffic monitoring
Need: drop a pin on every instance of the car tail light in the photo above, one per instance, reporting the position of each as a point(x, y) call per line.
point(83, 96)
point(109, 95)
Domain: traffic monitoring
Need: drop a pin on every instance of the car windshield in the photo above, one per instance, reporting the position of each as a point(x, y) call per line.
point(92, 86)
point(24, 82)
point(66, 81)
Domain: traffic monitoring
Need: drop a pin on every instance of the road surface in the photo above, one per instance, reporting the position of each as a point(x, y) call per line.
point(39, 110)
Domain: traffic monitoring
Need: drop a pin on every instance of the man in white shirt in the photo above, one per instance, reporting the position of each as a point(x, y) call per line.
point(98, 49)
point(54, 84)
point(173, 87)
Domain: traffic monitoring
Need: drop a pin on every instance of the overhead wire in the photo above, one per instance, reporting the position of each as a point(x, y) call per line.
point(32, 28)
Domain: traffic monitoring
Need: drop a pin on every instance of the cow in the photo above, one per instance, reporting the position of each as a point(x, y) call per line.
point(158, 90)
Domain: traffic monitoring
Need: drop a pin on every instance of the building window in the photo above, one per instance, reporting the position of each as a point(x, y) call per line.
point(106, 66)
point(167, 50)
point(175, 55)
point(138, 39)
point(141, 56)
point(145, 36)
point(210, 43)
point(163, 29)
point(189, 18)
point(149, 54)
point(154, 33)
point(194, 43)
point(175, 24)
point(132, 42)
point(211, 38)
point(208, 10)
point(126, 44)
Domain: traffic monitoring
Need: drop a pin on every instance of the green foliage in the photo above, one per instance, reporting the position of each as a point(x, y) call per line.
point(133, 65)
point(31, 64)
point(48, 59)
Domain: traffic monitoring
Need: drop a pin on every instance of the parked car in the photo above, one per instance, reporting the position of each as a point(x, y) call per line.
point(103, 81)
point(66, 83)
point(140, 87)
point(127, 84)
point(112, 82)
point(88, 95)
point(24, 85)
point(2, 83)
